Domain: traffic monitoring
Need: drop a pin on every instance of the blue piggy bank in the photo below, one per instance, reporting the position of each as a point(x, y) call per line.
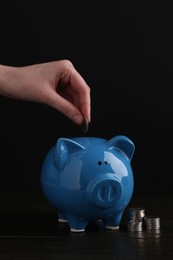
point(88, 179)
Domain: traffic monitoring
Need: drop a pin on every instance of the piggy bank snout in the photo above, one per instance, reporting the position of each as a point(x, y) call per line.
point(104, 192)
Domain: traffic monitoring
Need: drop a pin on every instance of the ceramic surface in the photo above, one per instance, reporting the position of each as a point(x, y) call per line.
point(89, 178)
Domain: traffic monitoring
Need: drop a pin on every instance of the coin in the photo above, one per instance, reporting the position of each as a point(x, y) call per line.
point(84, 125)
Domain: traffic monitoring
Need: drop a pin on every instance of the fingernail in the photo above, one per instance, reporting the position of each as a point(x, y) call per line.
point(78, 119)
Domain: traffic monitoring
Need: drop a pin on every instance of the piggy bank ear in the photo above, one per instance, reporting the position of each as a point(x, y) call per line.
point(122, 143)
point(64, 147)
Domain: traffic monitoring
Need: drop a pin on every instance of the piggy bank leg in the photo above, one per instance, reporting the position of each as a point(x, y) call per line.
point(77, 224)
point(61, 217)
point(113, 222)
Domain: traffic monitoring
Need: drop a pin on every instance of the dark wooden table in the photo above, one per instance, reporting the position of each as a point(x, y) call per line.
point(29, 230)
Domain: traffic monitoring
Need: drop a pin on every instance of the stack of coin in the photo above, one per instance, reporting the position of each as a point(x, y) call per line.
point(136, 214)
point(135, 219)
point(134, 226)
point(152, 222)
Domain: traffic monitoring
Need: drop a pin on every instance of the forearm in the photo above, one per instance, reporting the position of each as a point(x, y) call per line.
point(7, 80)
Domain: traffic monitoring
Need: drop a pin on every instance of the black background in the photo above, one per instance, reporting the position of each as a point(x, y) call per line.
point(124, 50)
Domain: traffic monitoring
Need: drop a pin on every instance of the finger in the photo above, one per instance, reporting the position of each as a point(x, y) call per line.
point(81, 89)
point(65, 107)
